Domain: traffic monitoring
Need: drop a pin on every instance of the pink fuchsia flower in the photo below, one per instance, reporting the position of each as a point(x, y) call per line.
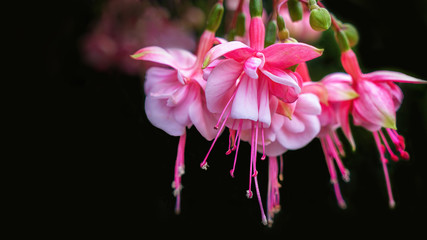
point(375, 108)
point(241, 86)
point(334, 114)
point(175, 97)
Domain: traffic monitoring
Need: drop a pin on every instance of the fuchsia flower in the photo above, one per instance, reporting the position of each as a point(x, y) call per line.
point(175, 97)
point(375, 108)
point(246, 87)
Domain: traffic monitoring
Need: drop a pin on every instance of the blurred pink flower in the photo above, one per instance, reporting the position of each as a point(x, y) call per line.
point(126, 25)
point(300, 30)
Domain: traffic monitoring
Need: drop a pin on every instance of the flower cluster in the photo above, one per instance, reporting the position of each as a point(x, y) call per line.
point(257, 85)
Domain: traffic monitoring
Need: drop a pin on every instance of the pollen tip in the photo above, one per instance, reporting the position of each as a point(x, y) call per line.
point(404, 155)
point(216, 127)
point(232, 173)
point(204, 165)
point(228, 152)
point(392, 204)
point(264, 220)
point(263, 157)
point(342, 205)
point(249, 194)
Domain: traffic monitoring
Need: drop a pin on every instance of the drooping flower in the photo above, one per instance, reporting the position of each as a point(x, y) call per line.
point(375, 108)
point(175, 97)
point(241, 86)
point(334, 115)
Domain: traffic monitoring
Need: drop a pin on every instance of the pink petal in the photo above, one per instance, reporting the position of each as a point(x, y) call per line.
point(337, 78)
point(235, 50)
point(392, 76)
point(162, 116)
point(375, 104)
point(161, 82)
point(316, 88)
point(245, 104)
point(264, 114)
point(308, 103)
point(202, 119)
point(155, 54)
point(251, 67)
point(343, 112)
point(296, 140)
point(350, 64)
point(284, 55)
point(221, 84)
point(273, 149)
point(284, 84)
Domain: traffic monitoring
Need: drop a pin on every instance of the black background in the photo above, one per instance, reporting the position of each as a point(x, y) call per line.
point(107, 171)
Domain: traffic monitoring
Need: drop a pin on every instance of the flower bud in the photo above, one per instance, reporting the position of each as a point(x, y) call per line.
point(342, 40)
point(240, 24)
point(280, 23)
point(215, 17)
point(295, 10)
point(351, 33)
point(320, 20)
point(255, 7)
point(270, 34)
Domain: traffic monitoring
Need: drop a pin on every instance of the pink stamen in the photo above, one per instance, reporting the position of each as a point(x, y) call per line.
point(249, 192)
point(332, 173)
point(179, 171)
point(204, 164)
point(237, 148)
point(263, 143)
point(399, 143)
point(281, 168)
point(338, 143)
point(381, 150)
point(392, 155)
point(225, 108)
point(333, 152)
point(263, 217)
point(231, 138)
point(273, 195)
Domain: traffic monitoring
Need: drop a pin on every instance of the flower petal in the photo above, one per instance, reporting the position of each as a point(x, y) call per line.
point(296, 140)
point(234, 49)
point(392, 76)
point(251, 67)
point(375, 104)
point(155, 54)
point(343, 111)
point(284, 55)
point(162, 116)
point(308, 103)
point(245, 103)
point(202, 119)
point(161, 82)
point(221, 84)
point(284, 84)
point(264, 114)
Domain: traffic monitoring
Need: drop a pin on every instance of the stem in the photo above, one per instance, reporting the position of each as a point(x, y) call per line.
point(334, 21)
point(235, 14)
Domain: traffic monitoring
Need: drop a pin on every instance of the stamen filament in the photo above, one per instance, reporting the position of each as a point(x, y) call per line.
point(204, 164)
point(386, 175)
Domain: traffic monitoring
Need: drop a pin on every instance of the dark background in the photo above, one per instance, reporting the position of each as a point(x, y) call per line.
point(111, 171)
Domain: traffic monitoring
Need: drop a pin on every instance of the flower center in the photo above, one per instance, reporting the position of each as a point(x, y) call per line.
point(252, 65)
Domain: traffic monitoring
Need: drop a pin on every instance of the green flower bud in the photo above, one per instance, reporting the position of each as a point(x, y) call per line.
point(270, 33)
point(342, 41)
point(240, 24)
point(320, 20)
point(351, 33)
point(215, 17)
point(295, 10)
point(280, 23)
point(255, 7)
